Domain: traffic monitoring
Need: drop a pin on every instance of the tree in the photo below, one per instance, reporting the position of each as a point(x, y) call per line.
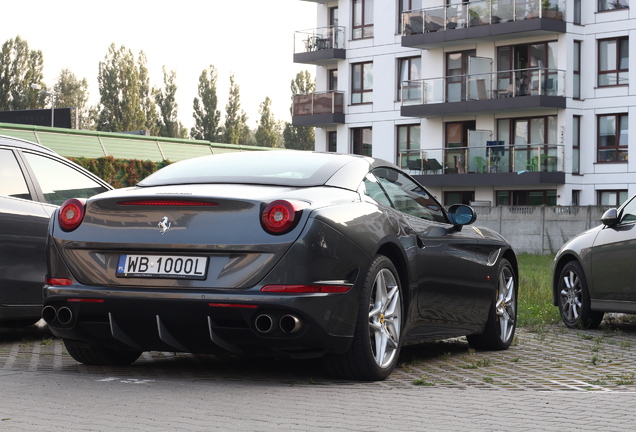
point(235, 129)
point(300, 137)
point(268, 133)
point(168, 122)
point(70, 92)
point(147, 96)
point(120, 90)
point(19, 68)
point(207, 118)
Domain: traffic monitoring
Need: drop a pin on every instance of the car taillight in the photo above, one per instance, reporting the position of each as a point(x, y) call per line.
point(281, 216)
point(71, 213)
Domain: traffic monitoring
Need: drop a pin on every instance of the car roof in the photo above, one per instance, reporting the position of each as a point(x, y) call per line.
point(24, 144)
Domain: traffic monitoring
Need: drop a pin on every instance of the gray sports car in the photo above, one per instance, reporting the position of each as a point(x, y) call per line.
point(594, 272)
point(276, 253)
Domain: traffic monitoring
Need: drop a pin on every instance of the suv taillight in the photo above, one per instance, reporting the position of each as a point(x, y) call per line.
point(71, 213)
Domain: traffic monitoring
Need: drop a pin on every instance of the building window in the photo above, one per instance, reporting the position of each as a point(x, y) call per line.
point(332, 141)
point(576, 144)
point(576, 79)
point(612, 198)
point(459, 197)
point(361, 141)
point(577, 12)
point(409, 156)
point(408, 71)
point(613, 61)
point(526, 197)
point(362, 19)
point(333, 79)
point(405, 6)
point(606, 5)
point(612, 138)
point(362, 83)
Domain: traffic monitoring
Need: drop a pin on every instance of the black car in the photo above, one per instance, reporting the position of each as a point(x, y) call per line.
point(595, 273)
point(276, 253)
point(34, 181)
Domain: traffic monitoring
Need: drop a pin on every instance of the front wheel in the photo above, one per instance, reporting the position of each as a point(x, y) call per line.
point(100, 356)
point(574, 299)
point(377, 340)
point(502, 318)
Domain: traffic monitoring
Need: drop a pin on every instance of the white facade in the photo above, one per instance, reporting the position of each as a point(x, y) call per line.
point(553, 117)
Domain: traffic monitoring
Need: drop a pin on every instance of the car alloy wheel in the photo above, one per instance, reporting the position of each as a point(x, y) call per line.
point(574, 299)
point(385, 315)
point(502, 318)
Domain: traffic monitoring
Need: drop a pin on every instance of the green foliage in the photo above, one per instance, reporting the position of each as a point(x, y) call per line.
point(120, 172)
point(123, 90)
point(535, 306)
point(235, 130)
point(300, 137)
point(19, 68)
point(268, 131)
point(70, 92)
point(207, 117)
point(168, 122)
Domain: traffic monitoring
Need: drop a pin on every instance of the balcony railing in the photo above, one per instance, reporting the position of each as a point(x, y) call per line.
point(494, 85)
point(476, 13)
point(330, 102)
point(331, 37)
point(495, 157)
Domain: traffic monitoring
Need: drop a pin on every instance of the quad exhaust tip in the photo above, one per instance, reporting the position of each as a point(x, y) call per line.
point(267, 323)
point(63, 315)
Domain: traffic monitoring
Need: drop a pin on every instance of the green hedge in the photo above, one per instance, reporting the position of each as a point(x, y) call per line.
point(119, 172)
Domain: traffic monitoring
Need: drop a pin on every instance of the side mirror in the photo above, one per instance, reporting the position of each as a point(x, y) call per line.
point(460, 214)
point(610, 217)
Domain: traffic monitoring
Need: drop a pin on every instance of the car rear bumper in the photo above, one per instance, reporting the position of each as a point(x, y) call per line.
point(301, 325)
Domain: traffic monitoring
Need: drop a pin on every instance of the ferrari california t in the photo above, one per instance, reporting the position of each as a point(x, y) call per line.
point(277, 253)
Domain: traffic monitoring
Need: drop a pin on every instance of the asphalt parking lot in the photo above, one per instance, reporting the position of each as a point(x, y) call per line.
point(553, 358)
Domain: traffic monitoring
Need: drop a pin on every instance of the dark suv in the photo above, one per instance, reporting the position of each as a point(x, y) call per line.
point(34, 180)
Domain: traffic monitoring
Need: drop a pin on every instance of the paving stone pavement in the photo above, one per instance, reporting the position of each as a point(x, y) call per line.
point(550, 379)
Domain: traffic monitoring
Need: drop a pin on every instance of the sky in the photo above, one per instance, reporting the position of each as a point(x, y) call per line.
point(252, 39)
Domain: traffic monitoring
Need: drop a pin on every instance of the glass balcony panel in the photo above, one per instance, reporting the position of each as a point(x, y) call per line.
point(478, 13)
point(331, 37)
point(434, 20)
point(331, 102)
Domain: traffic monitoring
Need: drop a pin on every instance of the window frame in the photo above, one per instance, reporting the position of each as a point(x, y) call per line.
point(362, 91)
point(618, 192)
point(332, 141)
point(357, 143)
point(364, 30)
point(617, 57)
point(606, 8)
point(409, 65)
point(409, 133)
point(618, 147)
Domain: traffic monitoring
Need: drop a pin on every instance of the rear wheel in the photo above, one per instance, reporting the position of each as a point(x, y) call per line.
point(100, 356)
point(502, 319)
point(377, 340)
point(574, 299)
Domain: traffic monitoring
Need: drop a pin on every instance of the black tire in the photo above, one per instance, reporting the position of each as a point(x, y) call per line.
point(574, 299)
point(377, 339)
point(502, 318)
point(100, 356)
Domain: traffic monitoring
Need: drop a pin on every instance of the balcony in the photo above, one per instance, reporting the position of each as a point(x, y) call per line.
point(494, 164)
point(486, 20)
point(321, 46)
point(485, 92)
point(318, 109)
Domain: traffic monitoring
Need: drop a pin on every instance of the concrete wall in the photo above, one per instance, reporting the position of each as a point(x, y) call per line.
point(539, 229)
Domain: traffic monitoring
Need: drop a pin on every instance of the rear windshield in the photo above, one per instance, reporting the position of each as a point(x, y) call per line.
point(287, 168)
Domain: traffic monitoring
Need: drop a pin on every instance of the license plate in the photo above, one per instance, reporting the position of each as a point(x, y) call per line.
point(162, 266)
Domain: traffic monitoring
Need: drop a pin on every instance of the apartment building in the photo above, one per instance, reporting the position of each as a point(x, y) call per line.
point(495, 102)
